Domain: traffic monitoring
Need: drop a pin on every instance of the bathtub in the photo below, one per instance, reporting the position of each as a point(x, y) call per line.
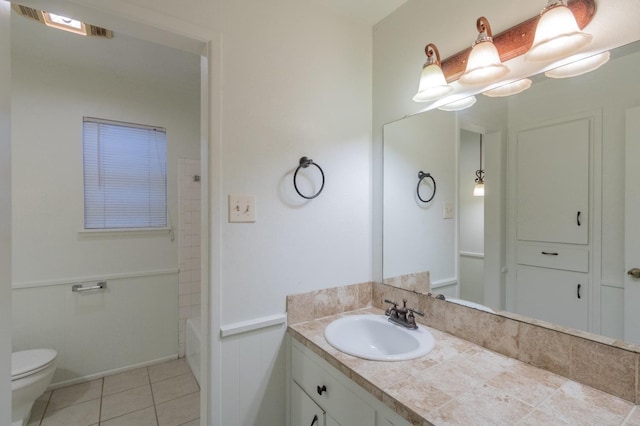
point(193, 346)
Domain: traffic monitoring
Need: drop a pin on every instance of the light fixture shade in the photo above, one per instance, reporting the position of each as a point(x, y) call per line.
point(478, 190)
point(509, 89)
point(557, 34)
point(432, 85)
point(580, 67)
point(483, 65)
point(459, 104)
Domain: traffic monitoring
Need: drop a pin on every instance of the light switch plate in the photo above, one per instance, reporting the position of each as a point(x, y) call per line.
point(447, 210)
point(242, 208)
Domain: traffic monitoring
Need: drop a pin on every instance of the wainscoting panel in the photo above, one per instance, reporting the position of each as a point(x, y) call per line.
point(131, 323)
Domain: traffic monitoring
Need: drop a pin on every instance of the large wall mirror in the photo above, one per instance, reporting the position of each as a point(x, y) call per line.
point(548, 240)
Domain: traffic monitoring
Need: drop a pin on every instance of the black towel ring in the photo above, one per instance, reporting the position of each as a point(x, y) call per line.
point(421, 176)
point(304, 163)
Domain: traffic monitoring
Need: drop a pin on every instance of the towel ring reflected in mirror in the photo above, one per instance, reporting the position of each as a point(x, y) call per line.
point(421, 176)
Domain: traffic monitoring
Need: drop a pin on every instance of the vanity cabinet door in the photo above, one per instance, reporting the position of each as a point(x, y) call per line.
point(305, 412)
point(552, 173)
point(561, 297)
point(329, 391)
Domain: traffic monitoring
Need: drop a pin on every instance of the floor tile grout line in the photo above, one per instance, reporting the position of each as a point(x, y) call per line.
point(101, 398)
point(153, 399)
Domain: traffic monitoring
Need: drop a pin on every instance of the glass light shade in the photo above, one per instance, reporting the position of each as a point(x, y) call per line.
point(580, 67)
point(478, 190)
point(483, 66)
point(557, 35)
point(459, 104)
point(509, 89)
point(432, 84)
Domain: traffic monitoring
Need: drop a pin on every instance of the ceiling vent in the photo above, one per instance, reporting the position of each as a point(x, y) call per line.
point(61, 22)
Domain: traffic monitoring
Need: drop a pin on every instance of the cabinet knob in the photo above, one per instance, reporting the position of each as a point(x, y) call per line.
point(634, 272)
point(322, 389)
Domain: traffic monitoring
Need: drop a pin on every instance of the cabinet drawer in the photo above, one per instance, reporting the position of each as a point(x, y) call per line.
point(570, 259)
point(304, 411)
point(338, 401)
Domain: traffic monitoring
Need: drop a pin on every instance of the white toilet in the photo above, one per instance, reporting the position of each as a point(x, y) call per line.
point(31, 374)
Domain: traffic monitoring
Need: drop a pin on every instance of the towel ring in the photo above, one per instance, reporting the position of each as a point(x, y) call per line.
point(304, 163)
point(421, 176)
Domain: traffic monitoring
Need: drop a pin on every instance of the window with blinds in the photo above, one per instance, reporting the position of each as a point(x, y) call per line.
point(125, 175)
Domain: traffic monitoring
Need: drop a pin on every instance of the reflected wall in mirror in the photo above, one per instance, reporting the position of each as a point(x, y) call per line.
point(541, 149)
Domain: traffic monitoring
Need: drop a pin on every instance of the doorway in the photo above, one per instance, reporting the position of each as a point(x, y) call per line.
point(201, 142)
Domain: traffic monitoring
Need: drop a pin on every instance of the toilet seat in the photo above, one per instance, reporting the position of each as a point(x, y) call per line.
point(29, 362)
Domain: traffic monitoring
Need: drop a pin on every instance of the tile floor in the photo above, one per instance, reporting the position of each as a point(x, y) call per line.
point(164, 394)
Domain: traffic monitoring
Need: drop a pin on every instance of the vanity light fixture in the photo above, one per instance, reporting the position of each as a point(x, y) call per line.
point(509, 89)
point(459, 104)
point(432, 82)
point(557, 34)
point(478, 189)
point(579, 67)
point(484, 65)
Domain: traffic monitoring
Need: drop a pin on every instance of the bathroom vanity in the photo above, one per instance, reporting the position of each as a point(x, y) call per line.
point(459, 382)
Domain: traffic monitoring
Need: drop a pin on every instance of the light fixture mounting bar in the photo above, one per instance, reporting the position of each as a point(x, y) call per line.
point(516, 40)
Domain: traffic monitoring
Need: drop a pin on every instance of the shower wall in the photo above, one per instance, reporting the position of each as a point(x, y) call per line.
point(189, 237)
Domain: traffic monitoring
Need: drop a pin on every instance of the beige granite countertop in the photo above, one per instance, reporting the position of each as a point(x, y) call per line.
point(461, 383)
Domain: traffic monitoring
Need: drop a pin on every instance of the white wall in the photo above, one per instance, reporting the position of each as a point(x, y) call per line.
point(5, 214)
point(118, 79)
point(296, 81)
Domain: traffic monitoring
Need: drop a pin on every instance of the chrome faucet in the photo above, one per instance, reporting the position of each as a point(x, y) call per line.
point(402, 316)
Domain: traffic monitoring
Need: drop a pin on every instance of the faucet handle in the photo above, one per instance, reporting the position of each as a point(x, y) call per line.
point(391, 302)
point(416, 312)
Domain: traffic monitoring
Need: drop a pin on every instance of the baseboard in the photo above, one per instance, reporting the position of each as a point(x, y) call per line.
point(102, 374)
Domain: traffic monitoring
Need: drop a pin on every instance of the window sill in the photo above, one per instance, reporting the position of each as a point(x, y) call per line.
point(125, 232)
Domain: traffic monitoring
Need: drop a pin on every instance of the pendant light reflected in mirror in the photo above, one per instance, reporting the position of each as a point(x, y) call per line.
point(478, 188)
point(557, 34)
point(483, 65)
point(432, 82)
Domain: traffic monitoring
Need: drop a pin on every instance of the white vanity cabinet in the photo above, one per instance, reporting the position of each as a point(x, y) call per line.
point(317, 388)
point(551, 201)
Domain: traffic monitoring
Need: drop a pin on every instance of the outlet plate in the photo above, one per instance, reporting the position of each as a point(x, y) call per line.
point(242, 208)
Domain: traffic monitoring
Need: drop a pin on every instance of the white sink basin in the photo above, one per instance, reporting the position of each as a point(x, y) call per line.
point(374, 337)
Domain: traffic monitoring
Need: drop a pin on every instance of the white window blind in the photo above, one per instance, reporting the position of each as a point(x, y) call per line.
point(125, 178)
